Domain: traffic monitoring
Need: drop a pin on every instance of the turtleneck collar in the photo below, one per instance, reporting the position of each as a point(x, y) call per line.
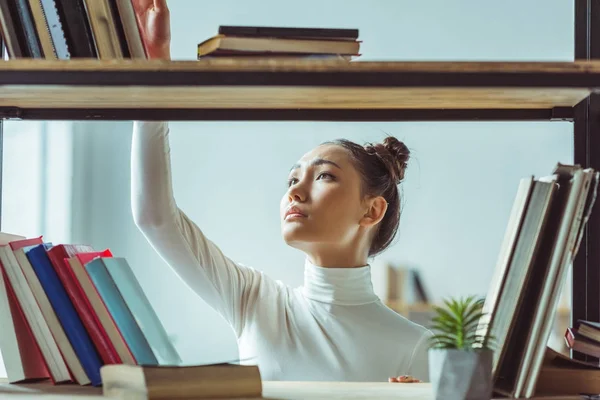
point(341, 286)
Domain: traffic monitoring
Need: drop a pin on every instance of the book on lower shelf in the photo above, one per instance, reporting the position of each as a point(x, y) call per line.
point(182, 382)
point(59, 321)
point(542, 237)
point(584, 337)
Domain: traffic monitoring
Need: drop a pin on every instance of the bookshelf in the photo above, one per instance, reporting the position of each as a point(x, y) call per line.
point(276, 90)
point(270, 89)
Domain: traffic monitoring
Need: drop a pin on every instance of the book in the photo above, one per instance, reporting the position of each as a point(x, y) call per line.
point(67, 315)
point(574, 340)
point(281, 42)
point(42, 29)
point(9, 29)
point(130, 28)
point(102, 342)
point(589, 329)
point(93, 300)
point(44, 338)
point(143, 312)
point(519, 266)
point(104, 29)
point(72, 30)
point(289, 32)
point(21, 355)
point(267, 46)
point(181, 382)
point(120, 312)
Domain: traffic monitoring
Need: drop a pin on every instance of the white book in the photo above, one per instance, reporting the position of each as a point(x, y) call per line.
point(567, 240)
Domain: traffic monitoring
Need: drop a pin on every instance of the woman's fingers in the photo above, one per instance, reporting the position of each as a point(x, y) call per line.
point(160, 4)
point(403, 379)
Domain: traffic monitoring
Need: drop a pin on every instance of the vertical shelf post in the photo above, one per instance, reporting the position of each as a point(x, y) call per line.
point(2, 52)
point(586, 127)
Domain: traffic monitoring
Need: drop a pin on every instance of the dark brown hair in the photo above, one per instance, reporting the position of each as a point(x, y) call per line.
point(381, 167)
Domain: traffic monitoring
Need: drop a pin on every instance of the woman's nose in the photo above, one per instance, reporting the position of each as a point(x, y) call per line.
point(297, 193)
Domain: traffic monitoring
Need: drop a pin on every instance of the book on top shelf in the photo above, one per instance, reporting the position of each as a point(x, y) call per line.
point(298, 42)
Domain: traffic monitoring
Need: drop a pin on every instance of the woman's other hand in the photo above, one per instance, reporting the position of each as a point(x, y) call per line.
point(155, 27)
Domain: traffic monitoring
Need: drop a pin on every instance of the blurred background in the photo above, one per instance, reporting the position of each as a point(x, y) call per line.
point(69, 181)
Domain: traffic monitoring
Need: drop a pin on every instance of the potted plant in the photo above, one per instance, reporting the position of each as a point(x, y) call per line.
point(460, 352)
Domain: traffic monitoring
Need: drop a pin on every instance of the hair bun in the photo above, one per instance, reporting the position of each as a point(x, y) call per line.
point(394, 154)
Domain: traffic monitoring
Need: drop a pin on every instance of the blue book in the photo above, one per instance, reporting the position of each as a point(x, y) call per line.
point(124, 319)
point(142, 310)
point(65, 312)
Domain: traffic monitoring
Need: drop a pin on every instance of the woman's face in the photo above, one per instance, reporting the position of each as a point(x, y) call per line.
point(322, 205)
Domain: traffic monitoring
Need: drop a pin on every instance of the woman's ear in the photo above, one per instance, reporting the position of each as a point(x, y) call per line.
point(376, 208)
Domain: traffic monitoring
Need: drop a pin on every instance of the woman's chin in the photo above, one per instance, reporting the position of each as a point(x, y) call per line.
point(294, 235)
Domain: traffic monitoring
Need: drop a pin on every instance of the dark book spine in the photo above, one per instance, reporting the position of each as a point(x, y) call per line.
point(30, 36)
point(268, 31)
point(12, 38)
point(77, 29)
point(24, 28)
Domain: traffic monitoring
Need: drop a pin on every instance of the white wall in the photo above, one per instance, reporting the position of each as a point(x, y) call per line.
point(229, 176)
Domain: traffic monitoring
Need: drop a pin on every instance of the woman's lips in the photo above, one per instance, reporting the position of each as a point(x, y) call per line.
point(293, 213)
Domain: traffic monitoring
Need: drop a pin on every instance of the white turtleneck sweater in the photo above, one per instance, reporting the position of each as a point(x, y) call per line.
point(332, 328)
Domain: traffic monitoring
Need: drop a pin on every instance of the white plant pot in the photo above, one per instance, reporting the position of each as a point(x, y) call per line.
point(461, 374)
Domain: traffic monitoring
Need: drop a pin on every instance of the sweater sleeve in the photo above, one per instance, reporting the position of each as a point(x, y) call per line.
point(225, 285)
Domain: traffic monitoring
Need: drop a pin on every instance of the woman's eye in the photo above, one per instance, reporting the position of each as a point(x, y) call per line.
point(326, 175)
point(292, 181)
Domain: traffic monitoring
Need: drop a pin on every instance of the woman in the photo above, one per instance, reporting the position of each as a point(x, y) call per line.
point(342, 206)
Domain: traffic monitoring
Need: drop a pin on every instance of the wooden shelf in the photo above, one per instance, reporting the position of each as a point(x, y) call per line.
point(271, 390)
point(301, 89)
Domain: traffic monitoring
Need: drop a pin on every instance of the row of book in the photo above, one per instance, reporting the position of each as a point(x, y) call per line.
point(108, 29)
point(545, 228)
point(65, 29)
point(68, 310)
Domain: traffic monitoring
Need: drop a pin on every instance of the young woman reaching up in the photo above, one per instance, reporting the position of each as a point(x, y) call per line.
point(342, 206)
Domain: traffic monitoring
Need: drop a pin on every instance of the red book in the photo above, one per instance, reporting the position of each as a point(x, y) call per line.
point(19, 244)
point(33, 365)
point(57, 255)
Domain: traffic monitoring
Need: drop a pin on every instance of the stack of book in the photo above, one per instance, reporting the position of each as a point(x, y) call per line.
point(72, 314)
point(64, 29)
point(281, 42)
point(544, 231)
point(584, 338)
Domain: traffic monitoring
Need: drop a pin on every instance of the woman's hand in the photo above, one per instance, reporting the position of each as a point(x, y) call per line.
point(155, 27)
point(403, 379)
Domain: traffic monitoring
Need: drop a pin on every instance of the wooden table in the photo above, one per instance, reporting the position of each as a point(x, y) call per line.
point(271, 390)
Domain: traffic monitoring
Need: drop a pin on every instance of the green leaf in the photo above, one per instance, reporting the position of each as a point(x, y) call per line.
point(458, 324)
